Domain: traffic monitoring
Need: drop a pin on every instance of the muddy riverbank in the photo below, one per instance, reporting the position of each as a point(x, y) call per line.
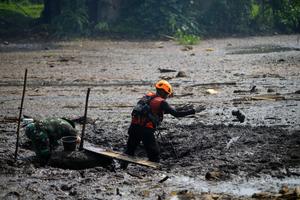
point(216, 153)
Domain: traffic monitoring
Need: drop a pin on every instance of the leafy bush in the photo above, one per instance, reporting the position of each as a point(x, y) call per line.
point(186, 39)
point(101, 27)
point(73, 19)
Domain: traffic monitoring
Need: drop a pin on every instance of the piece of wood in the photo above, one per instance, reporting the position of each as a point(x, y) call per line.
point(20, 115)
point(84, 119)
point(120, 156)
point(209, 84)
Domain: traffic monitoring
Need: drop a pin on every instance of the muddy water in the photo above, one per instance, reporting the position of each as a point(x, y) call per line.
point(239, 187)
point(264, 149)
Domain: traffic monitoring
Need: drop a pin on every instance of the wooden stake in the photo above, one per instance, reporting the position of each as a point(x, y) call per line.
point(20, 115)
point(84, 119)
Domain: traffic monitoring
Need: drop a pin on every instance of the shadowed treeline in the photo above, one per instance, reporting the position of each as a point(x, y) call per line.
point(170, 17)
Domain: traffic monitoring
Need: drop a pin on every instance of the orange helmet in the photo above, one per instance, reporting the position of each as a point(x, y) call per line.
point(165, 86)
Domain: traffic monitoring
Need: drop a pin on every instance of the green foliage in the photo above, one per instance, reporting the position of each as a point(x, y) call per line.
point(73, 19)
point(32, 10)
point(186, 39)
point(17, 19)
point(102, 27)
point(154, 18)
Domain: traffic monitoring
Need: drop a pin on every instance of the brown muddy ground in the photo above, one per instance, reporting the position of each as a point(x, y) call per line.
point(261, 154)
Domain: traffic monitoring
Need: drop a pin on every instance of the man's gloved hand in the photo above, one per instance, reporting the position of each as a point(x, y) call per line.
point(199, 108)
point(184, 107)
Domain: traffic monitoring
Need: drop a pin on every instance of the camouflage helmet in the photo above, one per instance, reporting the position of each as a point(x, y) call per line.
point(30, 129)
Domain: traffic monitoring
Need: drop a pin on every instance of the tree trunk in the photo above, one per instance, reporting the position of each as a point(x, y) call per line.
point(51, 9)
point(93, 10)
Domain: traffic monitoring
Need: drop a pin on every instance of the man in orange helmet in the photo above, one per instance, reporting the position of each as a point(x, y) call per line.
point(147, 116)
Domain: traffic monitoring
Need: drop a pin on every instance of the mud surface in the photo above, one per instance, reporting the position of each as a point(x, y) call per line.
point(239, 159)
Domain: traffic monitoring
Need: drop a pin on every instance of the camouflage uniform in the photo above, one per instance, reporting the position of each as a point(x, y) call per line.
point(45, 134)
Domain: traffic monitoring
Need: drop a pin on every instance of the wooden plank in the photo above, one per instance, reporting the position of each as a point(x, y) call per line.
point(120, 156)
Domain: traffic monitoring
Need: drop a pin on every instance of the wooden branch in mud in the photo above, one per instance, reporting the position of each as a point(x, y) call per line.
point(168, 36)
point(120, 156)
point(262, 97)
point(210, 84)
point(84, 122)
point(20, 115)
point(9, 120)
point(134, 175)
point(183, 95)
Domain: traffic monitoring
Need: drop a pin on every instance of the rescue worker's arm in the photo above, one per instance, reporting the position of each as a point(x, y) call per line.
point(170, 110)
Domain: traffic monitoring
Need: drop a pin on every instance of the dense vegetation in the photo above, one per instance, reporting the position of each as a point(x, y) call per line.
point(185, 19)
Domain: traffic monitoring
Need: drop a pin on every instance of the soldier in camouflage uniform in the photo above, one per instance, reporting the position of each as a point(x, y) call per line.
point(44, 135)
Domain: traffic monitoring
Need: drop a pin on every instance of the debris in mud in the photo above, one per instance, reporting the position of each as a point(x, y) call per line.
point(7, 119)
point(66, 58)
point(252, 90)
point(211, 91)
point(239, 115)
point(231, 141)
point(261, 48)
point(161, 70)
point(164, 179)
point(181, 74)
point(77, 160)
point(187, 48)
point(268, 97)
point(12, 195)
point(209, 49)
point(261, 97)
point(6, 43)
point(183, 194)
point(212, 84)
point(284, 193)
point(270, 90)
point(166, 77)
point(213, 175)
point(297, 92)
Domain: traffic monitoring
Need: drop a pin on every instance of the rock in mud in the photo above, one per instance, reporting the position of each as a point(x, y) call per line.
point(181, 74)
point(270, 90)
point(239, 115)
point(284, 189)
point(207, 197)
point(187, 48)
point(213, 175)
point(262, 195)
point(12, 196)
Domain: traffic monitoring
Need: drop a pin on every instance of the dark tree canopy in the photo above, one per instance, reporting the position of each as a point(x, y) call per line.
point(144, 17)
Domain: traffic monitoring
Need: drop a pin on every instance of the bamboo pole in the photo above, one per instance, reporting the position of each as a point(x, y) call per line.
point(20, 115)
point(84, 119)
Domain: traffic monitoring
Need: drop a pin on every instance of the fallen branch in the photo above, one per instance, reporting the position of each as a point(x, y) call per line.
point(164, 179)
point(183, 95)
point(135, 175)
point(20, 115)
point(209, 84)
point(166, 70)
